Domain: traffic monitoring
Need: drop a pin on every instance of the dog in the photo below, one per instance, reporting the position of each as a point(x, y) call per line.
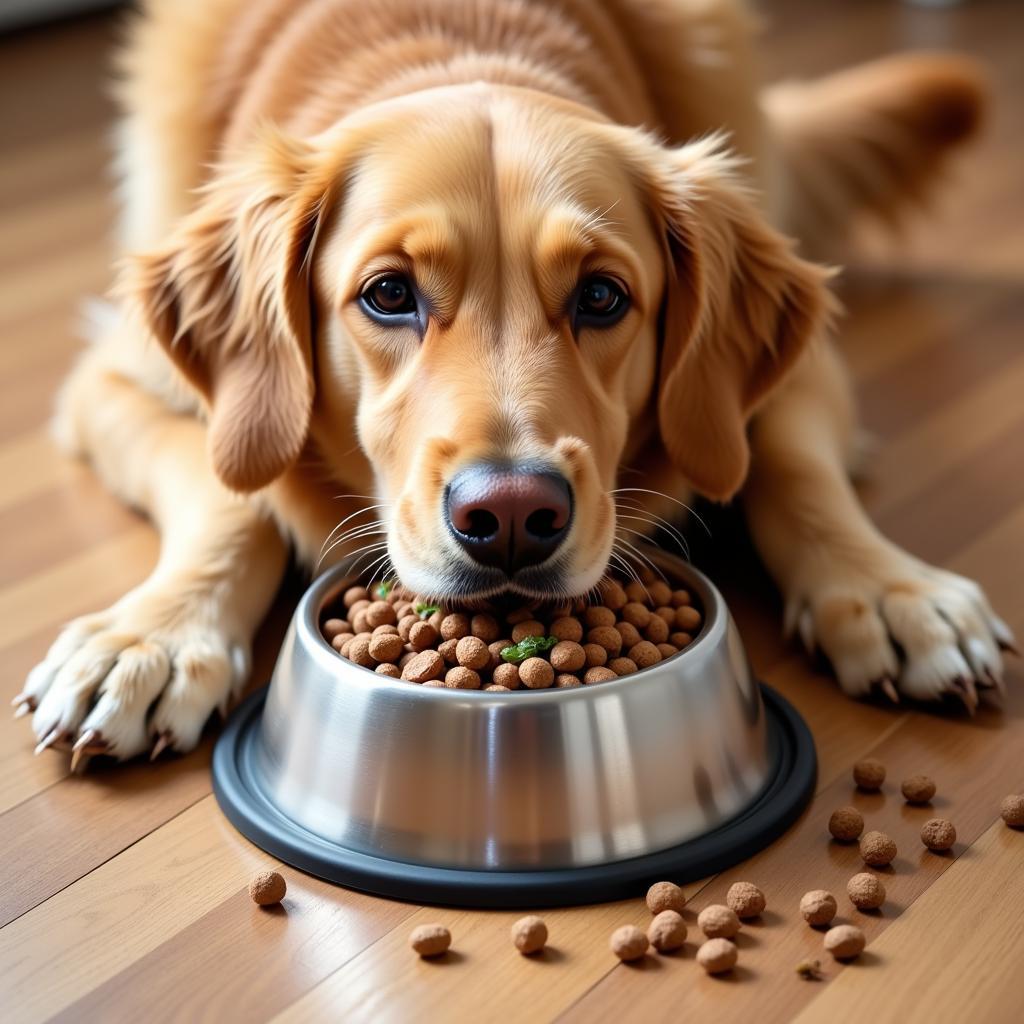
point(463, 285)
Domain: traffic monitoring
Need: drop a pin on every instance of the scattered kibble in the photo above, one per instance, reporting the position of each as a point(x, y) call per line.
point(717, 956)
point(938, 834)
point(866, 891)
point(745, 899)
point(667, 931)
point(665, 896)
point(877, 849)
point(846, 824)
point(818, 907)
point(267, 888)
point(628, 942)
point(430, 939)
point(869, 774)
point(1011, 810)
point(809, 970)
point(718, 921)
point(529, 934)
point(918, 789)
point(845, 941)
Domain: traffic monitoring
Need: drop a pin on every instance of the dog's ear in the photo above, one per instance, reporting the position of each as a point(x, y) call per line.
point(739, 308)
point(229, 299)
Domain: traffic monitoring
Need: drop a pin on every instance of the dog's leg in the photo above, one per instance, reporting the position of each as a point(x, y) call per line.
point(153, 666)
point(882, 617)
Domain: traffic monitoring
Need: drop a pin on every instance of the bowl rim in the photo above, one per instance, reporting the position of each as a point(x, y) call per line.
point(331, 582)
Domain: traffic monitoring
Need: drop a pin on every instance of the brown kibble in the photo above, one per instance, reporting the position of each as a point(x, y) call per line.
point(406, 658)
point(938, 834)
point(628, 942)
point(636, 592)
point(629, 633)
point(667, 931)
point(745, 900)
point(267, 888)
point(385, 668)
point(531, 627)
point(718, 921)
point(461, 678)
point(667, 613)
point(423, 666)
point(665, 896)
point(567, 681)
point(455, 626)
point(667, 650)
point(568, 656)
point(818, 907)
point(845, 941)
point(341, 639)
point(360, 623)
point(485, 627)
point(846, 824)
point(607, 637)
point(354, 594)
point(680, 640)
point(529, 934)
point(405, 624)
point(657, 630)
point(717, 956)
point(332, 627)
point(869, 774)
point(612, 595)
point(644, 654)
point(866, 891)
point(359, 651)
point(659, 592)
point(494, 650)
point(877, 849)
point(597, 674)
point(536, 673)
point(1011, 810)
point(622, 666)
point(422, 635)
point(471, 652)
point(596, 655)
point(430, 939)
point(386, 628)
point(507, 675)
point(385, 647)
point(599, 615)
point(688, 619)
point(447, 649)
point(496, 688)
point(567, 628)
point(918, 789)
point(636, 614)
point(381, 613)
point(680, 597)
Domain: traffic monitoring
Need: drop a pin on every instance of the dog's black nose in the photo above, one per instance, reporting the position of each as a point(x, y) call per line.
point(509, 517)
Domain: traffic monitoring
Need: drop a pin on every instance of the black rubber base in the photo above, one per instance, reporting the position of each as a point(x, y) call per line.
point(791, 750)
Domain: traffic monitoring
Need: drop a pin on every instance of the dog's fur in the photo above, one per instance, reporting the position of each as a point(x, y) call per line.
point(277, 154)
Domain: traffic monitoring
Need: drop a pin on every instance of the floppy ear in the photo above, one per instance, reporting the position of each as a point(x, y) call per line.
point(739, 308)
point(228, 298)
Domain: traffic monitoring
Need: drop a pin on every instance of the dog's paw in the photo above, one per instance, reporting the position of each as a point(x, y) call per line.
point(145, 673)
point(904, 627)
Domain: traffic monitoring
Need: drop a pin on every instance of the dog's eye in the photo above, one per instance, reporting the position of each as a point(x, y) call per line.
point(390, 295)
point(600, 302)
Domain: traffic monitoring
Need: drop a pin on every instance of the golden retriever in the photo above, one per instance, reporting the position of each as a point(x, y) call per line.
point(460, 263)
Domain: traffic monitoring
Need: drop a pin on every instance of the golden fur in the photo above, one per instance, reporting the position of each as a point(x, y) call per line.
point(279, 153)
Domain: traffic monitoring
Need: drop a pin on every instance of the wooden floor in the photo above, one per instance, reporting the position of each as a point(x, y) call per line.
point(122, 893)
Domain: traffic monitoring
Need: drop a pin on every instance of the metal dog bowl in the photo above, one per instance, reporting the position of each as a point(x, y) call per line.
point(522, 798)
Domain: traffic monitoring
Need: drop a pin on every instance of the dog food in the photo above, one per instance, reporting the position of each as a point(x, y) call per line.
point(818, 907)
point(845, 941)
point(267, 888)
point(846, 824)
point(869, 774)
point(718, 921)
point(667, 931)
point(938, 834)
point(877, 849)
point(628, 942)
point(745, 899)
point(866, 891)
point(529, 934)
point(1012, 810)
point(809, 970)
point(717, 956)
point(430, 939)
point(665, 896)
point(918, 789)
point(497, 647)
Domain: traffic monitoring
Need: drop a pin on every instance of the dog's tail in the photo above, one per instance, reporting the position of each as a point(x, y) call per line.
point(871, 139)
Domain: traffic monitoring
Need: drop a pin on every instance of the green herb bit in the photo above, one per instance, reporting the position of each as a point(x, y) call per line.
point(424, 611)
point(384, 588)
point(528, 647)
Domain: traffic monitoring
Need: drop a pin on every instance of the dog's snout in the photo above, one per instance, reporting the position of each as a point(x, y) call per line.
point(509, 517)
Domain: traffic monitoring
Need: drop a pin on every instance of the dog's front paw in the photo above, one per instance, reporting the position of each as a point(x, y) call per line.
point(145, 673)
point(899, 625)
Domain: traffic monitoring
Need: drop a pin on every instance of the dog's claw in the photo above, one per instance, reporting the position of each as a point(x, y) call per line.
point(963, 687)
point(887, 687)
point(163, 741)
point(49, 740)
point(995, 681)
point(23, 703)
point(23, 709)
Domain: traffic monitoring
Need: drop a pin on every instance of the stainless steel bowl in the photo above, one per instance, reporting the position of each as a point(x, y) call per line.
point(384, 777)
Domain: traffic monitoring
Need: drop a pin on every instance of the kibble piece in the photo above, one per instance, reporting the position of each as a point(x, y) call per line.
point(1011, 810)
point(809, 969)
point(628, 942)
point(667, 931)
point(381, 613)
point(386, 628)
point(267, 888)
point(644, 654)
point(636, 592)
point(718, 921)
point(359, 651)
point(430, 939)
point(659, 592)
point(599, 615)
point(877, 849)
point(536, 673)
point(332, 627)
point(688, 619)
point(629, 633)
point(471, 652)
point(567, 628)
point(496, 688)
point(385, 647)
point(636, 614)
point(657, 630)
point(455, 626)
point(531, 627)
point(485, 627)
point(717, 956)
point(680, 597)
point(607, 637)
point(423, 666)
point(597, 674)
point(529, 934)
point(596, 655)
point(447, 649)
point(612, 595)
point(846, 824)
point(568, 656)
point(567, 681)
point(422, 635)
point(667, 650)
point(507, 675)
point(869, 774)
point(818, 907)
point(494, 650)
point(866, 891)
point(665, 896)
point(938, 834)
point(845, 941)
point(918, 789)
point(667, 613)
point(354, 594)
point(462, 678)
point(622, 666)
point(680, 640)
point(745, 899)
point(386, 668)
point(341, 639)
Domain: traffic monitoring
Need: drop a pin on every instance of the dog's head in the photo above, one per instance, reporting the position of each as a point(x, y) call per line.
point(490, 299)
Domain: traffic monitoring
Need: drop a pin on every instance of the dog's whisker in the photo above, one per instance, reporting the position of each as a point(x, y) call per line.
point(667, 497)
point(365, 552)
point(642, 557)
point(358, 512)
point(643, 519)
point(636, 505)
point(621, 562)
